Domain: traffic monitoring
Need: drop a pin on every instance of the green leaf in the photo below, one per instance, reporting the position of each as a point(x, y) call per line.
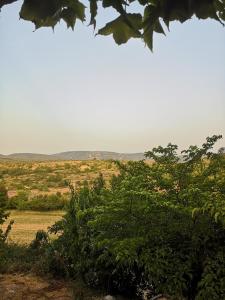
point(123, 28)
point(158, 27)
point(93, 11)
point(150, 23)
point(78, 8)
point(47, 13)
point(195, 211)
point(69, 17)
point(216, 216)
point(116, 4)
point(38, 10)
point(148, 37)
point(204, 10)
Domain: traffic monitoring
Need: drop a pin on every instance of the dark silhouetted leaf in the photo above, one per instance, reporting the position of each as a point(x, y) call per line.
point(93, 11)
point(49, 12)
point(121, 31)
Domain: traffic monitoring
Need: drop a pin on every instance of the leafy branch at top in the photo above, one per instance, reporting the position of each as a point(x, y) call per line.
point(127, 25)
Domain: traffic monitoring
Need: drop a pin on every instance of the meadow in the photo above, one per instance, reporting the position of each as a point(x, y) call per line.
point(38, 191)
point(27, 223)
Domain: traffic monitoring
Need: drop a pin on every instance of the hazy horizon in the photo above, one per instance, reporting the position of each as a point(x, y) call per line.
point(53, 153)
point(71, 151)
point(71, 91)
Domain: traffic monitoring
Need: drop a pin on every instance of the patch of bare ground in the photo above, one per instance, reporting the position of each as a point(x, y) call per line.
point(31, 287)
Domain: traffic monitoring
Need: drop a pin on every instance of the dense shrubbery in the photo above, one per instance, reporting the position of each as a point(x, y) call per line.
point(22, 258)
point(158, 228)
point(46, 202)
point(38, 202)
point(16, 171)
point(3, 214)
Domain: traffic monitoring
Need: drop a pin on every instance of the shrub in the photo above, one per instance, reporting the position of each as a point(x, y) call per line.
point(18, 201)
point(45, 203)
point(17, 171)
point(3, 214)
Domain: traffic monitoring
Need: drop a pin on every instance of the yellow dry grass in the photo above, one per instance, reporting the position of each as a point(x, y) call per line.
point(38, 177)
point(27, 223)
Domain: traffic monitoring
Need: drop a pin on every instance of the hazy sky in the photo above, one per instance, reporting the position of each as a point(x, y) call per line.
point(73, 91)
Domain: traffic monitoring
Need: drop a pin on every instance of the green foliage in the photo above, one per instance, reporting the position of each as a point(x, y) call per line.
point(123, 30)
point(43, 170)
point(16, 258)
point(16, 201)
point(126, 25)
point(39, 202)
point(16, 171)
point(3, 214)
point(158, 227)
point(40, 241)
point(45, 203)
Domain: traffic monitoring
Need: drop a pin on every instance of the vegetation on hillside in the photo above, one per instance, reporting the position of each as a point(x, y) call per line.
point(44, 185)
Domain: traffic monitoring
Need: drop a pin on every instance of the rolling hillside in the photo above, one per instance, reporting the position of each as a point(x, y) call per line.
point(74, 155)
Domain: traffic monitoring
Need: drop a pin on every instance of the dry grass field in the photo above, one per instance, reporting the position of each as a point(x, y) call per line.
point(33, 178)
point(49, 177)
point(26, 224)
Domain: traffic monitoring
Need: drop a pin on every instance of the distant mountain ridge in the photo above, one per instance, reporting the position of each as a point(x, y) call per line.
point(74, 155)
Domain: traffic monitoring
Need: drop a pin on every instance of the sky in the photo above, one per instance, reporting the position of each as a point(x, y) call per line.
point(72, 90)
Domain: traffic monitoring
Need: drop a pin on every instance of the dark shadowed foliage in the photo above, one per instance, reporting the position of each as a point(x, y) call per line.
point(143, 19)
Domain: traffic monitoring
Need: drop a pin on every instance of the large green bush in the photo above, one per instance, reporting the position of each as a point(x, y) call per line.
point(158, 228)
point(3, 213)
point(42, 202)
point(45, 202)
point(3, 216)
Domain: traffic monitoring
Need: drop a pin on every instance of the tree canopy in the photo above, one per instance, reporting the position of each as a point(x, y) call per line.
point(158, 227)
point(150, 15)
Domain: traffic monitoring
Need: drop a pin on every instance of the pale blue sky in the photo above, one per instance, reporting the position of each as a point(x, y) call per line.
point(73, 91)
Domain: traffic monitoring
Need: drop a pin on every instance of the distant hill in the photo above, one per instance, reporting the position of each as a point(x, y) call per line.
point(74, 155)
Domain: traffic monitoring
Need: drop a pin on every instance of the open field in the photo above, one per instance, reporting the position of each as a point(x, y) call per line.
point(26, 224)
point(27, 180)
